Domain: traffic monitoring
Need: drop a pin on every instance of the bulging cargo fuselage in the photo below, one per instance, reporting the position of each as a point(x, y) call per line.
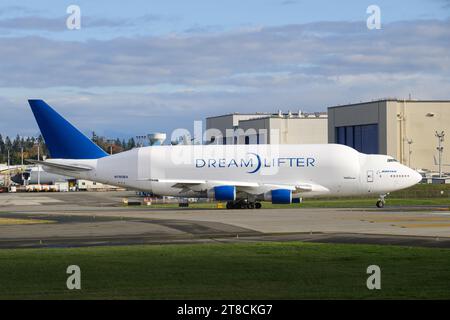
point(326, 170)
point(242, 175)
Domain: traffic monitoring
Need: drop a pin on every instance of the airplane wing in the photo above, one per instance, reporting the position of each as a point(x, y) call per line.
point(295, 188)
point(241, 186)
point(59, 166)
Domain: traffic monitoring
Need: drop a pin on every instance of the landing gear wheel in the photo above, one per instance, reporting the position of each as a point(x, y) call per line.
point(381, 201)
point(380, 204)
point(243, 205)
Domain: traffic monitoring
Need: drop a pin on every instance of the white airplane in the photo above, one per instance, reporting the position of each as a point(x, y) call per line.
point(242, 175)
point(5, 168)
point(37, 174)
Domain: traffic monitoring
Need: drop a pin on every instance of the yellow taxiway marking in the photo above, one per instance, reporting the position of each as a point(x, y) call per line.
point(9, 221)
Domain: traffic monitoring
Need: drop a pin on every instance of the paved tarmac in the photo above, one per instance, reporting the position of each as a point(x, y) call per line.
point(97, 218)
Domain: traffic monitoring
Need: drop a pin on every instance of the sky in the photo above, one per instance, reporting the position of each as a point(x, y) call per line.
point(138, 66)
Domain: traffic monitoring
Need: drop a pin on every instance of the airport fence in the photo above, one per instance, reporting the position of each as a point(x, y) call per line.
point(419, 191)
point(423, 191)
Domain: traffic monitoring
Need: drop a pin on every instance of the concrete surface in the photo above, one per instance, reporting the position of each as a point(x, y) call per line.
point(98, 219)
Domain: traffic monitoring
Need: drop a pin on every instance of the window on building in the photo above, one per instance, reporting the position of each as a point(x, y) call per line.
point(370, 139)
point(224, 140)
point(357, 138)
point(235, 140)
point(349, 136)
point(363, 138)
point(340, 134)
point(247, 140)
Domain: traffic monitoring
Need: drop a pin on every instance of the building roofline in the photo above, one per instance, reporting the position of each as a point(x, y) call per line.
point(240, 114)
point(263, 115)
point(288, 118)
point(386, 100)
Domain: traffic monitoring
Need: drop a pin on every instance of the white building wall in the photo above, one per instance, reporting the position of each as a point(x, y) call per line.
point(400, 121)
point(272, 129)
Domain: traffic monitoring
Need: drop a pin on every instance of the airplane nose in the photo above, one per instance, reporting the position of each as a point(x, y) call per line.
point(417, 177)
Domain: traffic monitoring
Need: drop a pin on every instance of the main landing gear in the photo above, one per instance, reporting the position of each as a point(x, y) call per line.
point(381, 202)
point(243, 205)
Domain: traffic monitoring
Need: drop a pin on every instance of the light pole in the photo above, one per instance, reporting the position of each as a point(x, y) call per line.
point(440, 149)
point(401, 118)
point(9, 172)
point(110, 145)
point(410, 142)
point(39, 166)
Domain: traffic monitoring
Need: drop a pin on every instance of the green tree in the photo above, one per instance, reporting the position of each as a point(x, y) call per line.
point(2, 149)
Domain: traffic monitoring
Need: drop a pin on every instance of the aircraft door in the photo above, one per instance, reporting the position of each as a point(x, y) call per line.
point(369, 175)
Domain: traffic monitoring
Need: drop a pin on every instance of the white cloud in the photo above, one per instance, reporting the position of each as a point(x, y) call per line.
point(140, 84)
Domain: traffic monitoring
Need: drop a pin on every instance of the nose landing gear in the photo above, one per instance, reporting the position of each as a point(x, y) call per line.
point(381, 202)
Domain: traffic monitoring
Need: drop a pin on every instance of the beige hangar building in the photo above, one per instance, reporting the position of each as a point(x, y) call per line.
point(403, 129)
point(262, 128)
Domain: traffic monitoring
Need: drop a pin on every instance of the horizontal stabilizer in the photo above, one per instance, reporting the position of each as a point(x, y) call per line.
point(11, 169)
point(60, 166)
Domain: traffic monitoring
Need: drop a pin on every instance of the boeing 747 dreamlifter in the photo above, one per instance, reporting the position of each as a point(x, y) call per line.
point(241, 175)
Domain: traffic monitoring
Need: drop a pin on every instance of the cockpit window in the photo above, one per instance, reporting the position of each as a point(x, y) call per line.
point(391, 160)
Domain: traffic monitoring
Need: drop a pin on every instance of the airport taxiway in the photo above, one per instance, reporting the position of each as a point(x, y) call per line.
point(97, 218)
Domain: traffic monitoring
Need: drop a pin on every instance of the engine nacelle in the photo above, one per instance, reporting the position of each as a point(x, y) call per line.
point(223, 193)
point(279, 196)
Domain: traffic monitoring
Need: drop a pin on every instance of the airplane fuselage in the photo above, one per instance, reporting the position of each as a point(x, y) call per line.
point(314, 170)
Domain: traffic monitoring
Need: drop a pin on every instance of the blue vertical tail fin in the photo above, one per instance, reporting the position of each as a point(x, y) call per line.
point(63, 140)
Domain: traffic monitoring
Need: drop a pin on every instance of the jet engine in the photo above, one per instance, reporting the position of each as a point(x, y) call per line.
point(223, 193)
point(279, 196)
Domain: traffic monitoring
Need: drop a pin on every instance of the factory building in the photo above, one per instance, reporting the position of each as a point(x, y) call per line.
point(262, 128)
point(404, 129)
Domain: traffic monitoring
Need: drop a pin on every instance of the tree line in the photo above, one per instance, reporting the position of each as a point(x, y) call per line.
point(28, 147)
